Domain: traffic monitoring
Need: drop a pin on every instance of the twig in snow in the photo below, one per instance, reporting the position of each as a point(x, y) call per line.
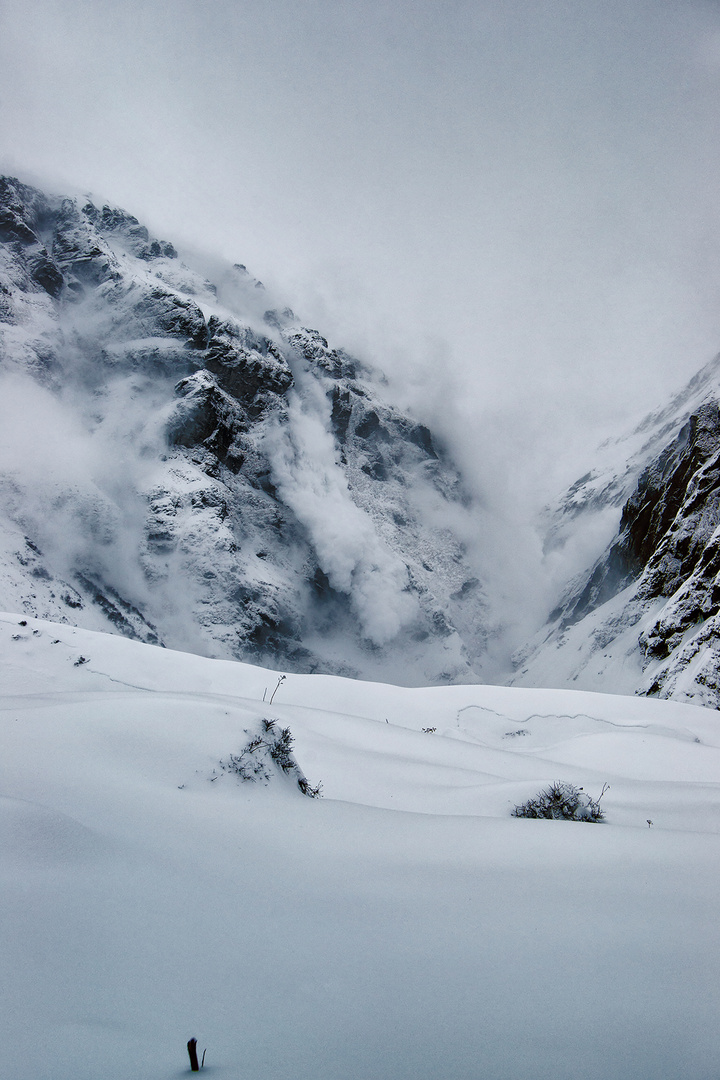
point(280, 680)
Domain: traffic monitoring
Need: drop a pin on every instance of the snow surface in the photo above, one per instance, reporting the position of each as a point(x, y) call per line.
point(403, 926)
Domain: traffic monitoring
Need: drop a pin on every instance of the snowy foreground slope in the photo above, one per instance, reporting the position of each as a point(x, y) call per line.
point(403, 926)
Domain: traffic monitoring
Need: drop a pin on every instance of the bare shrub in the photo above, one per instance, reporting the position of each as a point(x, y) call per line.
point(563, 802)
point(272, 746)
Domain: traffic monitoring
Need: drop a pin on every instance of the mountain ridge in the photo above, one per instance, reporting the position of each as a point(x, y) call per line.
point(187, 464)
point(644, 616)
point(254, 496)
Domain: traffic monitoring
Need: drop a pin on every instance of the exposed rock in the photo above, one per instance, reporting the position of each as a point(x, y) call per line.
point(250, 368)
point(117, 223)
point(45, 272)
point(314, 347)
point(115, 220)
point(79, 250)
point(205, 415)
point(21, 212)
point(177, 316)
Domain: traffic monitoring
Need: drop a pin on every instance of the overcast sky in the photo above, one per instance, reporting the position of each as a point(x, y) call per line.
point(512, 207)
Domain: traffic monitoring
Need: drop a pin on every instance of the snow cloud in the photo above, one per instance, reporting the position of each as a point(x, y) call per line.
point(75, 483)
point(351, 554)
point(54, 461)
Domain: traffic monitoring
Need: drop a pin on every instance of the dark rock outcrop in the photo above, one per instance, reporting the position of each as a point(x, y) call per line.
point(250, 368)
point(161, 311)
point(45, 272)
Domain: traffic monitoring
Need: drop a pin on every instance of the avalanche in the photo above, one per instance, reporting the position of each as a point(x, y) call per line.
point(403, 926)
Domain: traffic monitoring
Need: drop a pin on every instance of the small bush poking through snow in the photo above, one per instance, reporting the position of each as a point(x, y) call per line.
point(563, 802)
point(273, 746)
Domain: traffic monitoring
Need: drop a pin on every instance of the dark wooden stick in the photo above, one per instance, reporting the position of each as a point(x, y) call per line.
point(192, 1051)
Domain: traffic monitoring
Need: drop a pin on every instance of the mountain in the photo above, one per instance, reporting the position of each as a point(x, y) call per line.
point(644, 617)
point(185, 463)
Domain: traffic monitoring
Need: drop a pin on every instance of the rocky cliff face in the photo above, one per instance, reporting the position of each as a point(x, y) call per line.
point(186, 464)
point(646, 616)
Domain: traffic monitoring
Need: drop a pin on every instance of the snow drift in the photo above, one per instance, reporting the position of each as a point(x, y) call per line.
point(405, 925)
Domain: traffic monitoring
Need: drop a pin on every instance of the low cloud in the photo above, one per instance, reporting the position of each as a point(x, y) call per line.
point(309, 480)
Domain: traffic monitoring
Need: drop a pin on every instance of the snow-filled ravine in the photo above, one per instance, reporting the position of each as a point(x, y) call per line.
point(402, 927)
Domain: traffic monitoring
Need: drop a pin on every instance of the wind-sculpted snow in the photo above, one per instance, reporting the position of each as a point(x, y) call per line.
point(403, 926)
point(182, 464)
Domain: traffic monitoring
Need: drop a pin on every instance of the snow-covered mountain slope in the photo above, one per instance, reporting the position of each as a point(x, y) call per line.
point(621, 460)
point(644, 616)
point(404, 926)
point(182, 463)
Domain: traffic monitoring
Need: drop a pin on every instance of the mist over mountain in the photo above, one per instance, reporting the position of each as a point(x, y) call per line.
point(186, 465)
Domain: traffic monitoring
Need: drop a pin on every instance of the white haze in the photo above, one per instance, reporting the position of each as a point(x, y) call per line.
point(309, 480)
point(510, 209)
point(77, 485)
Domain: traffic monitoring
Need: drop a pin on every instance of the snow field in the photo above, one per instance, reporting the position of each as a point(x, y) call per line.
point(404, 926)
